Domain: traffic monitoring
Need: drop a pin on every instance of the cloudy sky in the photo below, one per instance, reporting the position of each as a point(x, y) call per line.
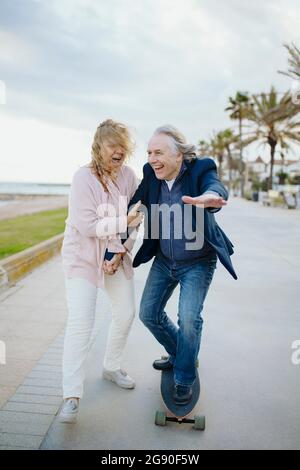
point(66, 65)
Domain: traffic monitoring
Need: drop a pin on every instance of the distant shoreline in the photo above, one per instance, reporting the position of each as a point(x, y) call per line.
point(32, 183)
point(25, 196)
point(11, 190)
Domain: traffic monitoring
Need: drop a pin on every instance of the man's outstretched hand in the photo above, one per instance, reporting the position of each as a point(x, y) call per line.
point(206, 200)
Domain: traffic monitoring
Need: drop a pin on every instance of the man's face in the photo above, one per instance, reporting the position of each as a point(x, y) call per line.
point(163, 158)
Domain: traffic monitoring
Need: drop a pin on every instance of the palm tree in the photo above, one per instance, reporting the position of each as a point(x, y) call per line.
point(217, 151)
point(220, 147)
point(293, 61)
point(239, 108)
point(203, 148)
point(276, 122)
point(214, 149)
point(229, 138)
point(294, 70)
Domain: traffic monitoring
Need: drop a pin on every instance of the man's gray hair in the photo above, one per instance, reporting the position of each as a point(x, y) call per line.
point(179, 141)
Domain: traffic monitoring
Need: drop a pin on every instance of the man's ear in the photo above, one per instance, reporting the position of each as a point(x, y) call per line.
point(179, 157)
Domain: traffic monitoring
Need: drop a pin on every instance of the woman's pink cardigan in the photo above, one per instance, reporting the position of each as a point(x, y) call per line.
point(95, 220)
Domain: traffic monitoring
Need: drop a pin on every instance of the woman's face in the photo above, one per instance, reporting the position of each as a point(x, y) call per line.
point(113, 156)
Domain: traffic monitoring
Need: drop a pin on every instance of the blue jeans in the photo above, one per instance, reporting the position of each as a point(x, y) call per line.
point(182, 342)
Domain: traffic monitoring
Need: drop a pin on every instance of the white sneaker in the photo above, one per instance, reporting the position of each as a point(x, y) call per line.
point(69, 411)
point(120, 377)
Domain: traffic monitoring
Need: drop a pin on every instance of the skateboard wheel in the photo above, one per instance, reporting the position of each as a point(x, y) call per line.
point(199, 423)
point(160, 418)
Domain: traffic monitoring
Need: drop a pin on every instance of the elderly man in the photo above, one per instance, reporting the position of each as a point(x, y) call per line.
point(174, 177)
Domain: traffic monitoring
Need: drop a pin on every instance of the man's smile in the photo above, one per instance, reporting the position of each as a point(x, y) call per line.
point(158, 167)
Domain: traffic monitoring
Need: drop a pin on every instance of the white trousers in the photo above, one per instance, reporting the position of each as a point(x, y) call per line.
point(81, 301)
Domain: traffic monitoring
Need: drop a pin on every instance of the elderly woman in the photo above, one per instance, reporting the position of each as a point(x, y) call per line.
point(97, 218)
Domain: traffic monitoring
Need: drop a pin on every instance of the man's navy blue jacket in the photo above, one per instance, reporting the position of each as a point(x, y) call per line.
point(200, 176)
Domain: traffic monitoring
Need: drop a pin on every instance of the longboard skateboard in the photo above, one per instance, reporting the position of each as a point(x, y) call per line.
point(178, 413)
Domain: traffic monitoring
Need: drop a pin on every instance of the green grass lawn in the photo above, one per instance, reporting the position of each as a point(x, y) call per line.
point(27, 230)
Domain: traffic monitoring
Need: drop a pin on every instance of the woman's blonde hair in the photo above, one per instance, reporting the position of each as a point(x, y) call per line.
point(112, 133)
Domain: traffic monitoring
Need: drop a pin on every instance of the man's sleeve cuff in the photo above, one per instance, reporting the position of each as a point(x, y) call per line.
point(211, 192)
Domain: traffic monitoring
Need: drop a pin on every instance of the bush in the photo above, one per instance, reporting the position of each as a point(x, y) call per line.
point(248, 195)
point(256, 185)
point(264, 185)
point(282, 176)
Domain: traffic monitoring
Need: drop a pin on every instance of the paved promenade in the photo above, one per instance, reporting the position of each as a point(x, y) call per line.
point(250, 388)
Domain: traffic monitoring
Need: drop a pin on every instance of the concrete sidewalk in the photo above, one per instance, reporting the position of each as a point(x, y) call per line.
point(250, 389)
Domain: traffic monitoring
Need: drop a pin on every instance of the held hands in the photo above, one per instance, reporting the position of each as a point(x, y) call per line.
point(134, 219)
point(206, 200)
point(110, 267)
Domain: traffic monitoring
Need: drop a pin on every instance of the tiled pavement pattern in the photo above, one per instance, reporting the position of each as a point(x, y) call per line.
point(32, 319)
point(27, 415)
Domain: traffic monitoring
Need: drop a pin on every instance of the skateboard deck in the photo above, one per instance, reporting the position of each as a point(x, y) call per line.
point(178, 413)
